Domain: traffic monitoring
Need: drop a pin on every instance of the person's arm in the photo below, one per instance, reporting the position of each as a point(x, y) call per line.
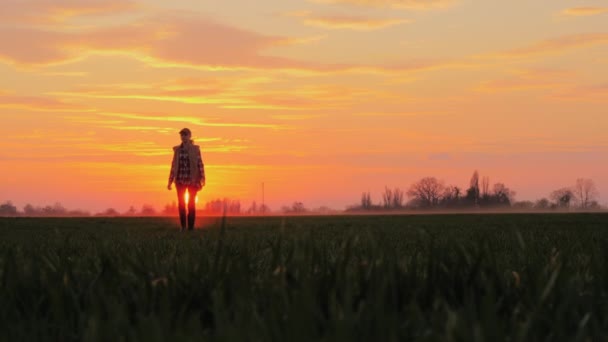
point(201, 168)
point(172, 172)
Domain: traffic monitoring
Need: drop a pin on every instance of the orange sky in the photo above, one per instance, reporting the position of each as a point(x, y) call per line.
point(319, 99)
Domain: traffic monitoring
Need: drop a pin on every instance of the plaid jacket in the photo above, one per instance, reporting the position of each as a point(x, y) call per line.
point(180, 168)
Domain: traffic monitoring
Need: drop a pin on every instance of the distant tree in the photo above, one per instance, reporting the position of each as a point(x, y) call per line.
point(562, 197)
point(542, 204)
point(253, 208)
point(585, 192)
point(426, 192)
point(323, 210)
point(387, 197)
point(56, 209)
point(8, 209)
point(397, 198)
point(298, 207)
point(264, 209)
point(451, 196)
point(148, 210)
point(234, 207)
point(30, 210)
point(131, 212)
point(228, 206)
point(502, 195)
point(171, 209)
point(366, 201)
point(485, 187)
point(79, 213)
point(523, 205)
point(111, 212)
point(472, 195)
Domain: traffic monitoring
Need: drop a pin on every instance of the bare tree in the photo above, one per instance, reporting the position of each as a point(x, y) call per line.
point(585, 191)
point(397, 198)
point(473, 191)
point(485, 187)
point(502, 194)
point(451, 196)
point(562, 197)
point(366, 201)
point(387, 197)
point(253, 208)
point(298, 207)
point(56, 209)
point(426, 191)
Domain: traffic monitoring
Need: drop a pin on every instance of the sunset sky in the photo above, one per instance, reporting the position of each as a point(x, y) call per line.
point(319, 99)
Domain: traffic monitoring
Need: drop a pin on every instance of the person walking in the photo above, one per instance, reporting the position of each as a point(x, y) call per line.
point(188, 173)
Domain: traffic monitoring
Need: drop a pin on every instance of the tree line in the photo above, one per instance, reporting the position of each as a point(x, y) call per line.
point(426, 193)
point(431, 193)
point(214, 207)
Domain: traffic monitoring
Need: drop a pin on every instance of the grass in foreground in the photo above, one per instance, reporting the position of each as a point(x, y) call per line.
point(420, 278)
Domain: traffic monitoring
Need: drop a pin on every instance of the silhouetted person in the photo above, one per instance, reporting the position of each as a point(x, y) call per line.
point(188, 173)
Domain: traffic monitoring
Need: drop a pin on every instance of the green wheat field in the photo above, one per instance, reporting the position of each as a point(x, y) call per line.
point(509, 277)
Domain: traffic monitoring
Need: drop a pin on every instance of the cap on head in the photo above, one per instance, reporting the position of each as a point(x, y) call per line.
point(185, 131)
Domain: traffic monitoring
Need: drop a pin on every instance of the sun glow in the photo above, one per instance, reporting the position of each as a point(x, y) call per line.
point(187, 198)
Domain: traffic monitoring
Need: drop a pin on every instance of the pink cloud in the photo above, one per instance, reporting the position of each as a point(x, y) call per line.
point(53, 11)
point(32, 46)
point(36, 103)
point(176, 40)
point(173, 40)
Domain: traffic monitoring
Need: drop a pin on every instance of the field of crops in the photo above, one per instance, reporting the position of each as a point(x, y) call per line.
point(342, 278)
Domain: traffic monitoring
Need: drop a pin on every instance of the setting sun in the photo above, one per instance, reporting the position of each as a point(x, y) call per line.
point(187, 198)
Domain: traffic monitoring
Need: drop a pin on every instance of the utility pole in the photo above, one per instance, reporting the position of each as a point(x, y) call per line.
point(263, 203)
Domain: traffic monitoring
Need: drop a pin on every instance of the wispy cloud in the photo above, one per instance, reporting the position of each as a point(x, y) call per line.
point(44, 12)
point(584, 93)
point(403, 4)
point(345, 22)
point(37, 103)
point(235, 93)
point(301, 40)
point(171, 41)
point(162, 41)
point(197, 121)
point(353, 23)
point(584, 11)
point(527, 80)
point(555, 45)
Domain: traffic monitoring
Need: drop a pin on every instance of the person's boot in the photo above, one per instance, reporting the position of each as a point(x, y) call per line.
point(191, 218)
point(182, 220)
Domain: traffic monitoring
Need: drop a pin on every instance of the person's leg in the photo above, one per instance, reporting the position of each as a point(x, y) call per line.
point(181, 191)
point(191, 207)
